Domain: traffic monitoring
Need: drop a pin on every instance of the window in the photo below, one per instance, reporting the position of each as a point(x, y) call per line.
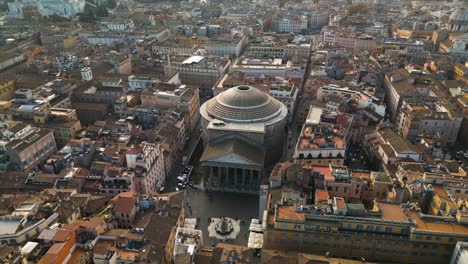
point(388, 229)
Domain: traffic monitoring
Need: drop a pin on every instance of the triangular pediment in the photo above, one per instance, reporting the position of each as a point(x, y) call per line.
point(233, 159)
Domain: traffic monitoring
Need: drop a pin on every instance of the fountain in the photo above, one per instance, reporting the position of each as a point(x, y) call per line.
point(224, 228)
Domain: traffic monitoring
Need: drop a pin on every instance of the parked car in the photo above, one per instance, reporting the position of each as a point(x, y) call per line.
point(182, 178)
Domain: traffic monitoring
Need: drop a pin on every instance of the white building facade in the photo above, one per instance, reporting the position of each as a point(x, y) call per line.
point(148, 164)
point(64, 8)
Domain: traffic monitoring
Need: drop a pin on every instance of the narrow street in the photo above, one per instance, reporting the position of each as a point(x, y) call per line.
point(293, 132)
point(171, 177)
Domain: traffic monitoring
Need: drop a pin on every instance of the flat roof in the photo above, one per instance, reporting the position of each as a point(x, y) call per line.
point(193, 59)
point(29, 247)
point(9, 226)
point(446, 227)
point(392, 212)
point(321, 195)
point(314, 115)
point(340, 204)
point(289, 213)
point(325, 170)
point(361, 174)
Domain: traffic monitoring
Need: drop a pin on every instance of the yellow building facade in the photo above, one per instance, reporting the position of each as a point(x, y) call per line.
point(7, 90)
point(397, 235)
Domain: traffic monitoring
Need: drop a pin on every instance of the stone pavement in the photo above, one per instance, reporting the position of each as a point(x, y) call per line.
point(205, 205)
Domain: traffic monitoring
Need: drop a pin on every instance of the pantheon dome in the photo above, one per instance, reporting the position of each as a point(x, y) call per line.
point(244, 104)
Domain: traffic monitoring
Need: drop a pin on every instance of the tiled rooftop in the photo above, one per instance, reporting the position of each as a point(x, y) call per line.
point(289, 213)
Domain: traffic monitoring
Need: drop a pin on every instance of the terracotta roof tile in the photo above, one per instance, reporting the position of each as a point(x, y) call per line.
point(61, 235)
point(125, 205)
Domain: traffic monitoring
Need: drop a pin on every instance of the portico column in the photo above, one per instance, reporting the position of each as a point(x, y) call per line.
point(221, 176)
point(211, 176)
point(235, 176)
point(251, 178)
point(243, 178)
point(218, 176)
point(226, 170)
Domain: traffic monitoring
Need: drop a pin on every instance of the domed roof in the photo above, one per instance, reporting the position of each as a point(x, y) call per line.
point(379, 2)
point(243, 96)
point(243, 104)
point(459, 15)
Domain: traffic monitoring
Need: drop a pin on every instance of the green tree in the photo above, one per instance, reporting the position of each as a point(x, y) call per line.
point(87, 16)
point(111, 4)
point(358, 9)
point(56, 18)
point(3, 7)
point(101, 11)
